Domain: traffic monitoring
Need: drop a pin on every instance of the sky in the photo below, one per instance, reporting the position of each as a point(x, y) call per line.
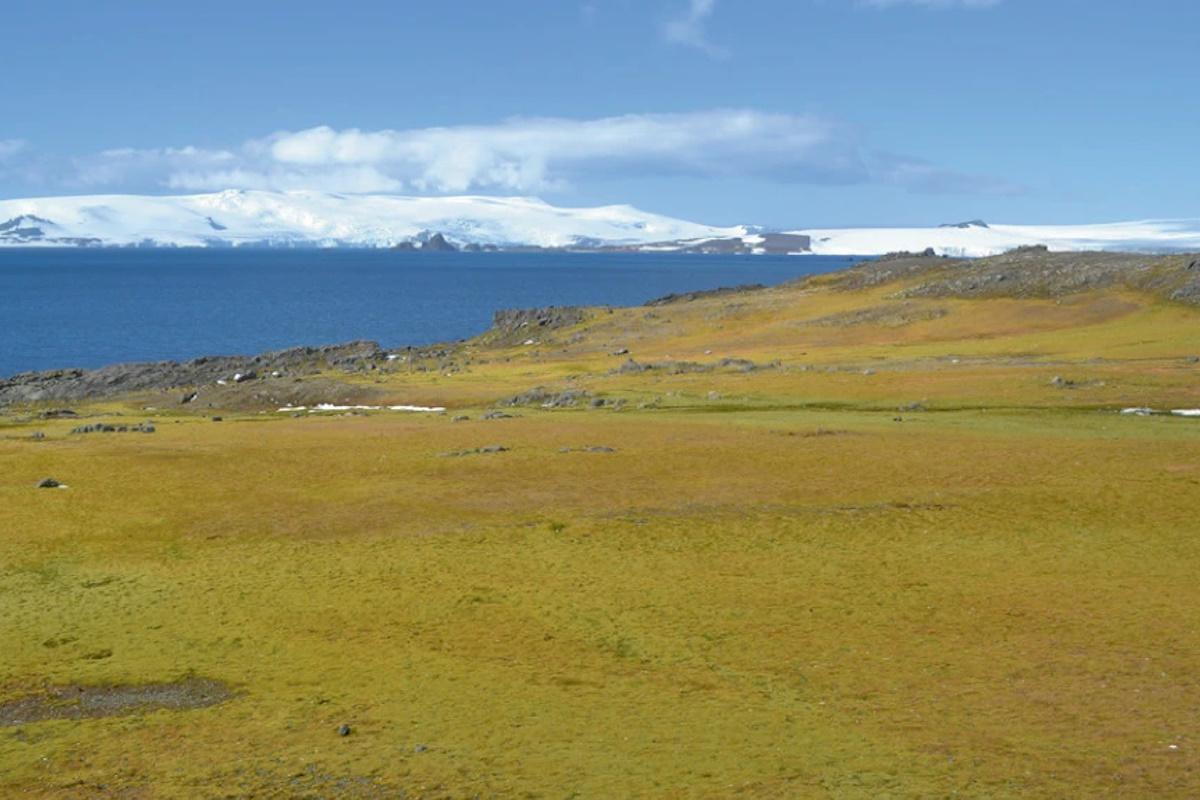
point(782, 113)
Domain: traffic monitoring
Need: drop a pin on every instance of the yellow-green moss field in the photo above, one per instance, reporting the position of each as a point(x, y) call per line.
point(775, 585)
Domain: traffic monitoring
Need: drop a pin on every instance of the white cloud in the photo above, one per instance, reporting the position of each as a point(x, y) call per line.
point(540, 153)
point(520, 155)
point(523, 156)
point(690, 28)
point(137, 167)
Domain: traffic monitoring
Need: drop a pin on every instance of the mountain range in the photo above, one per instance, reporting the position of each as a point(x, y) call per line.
point(241, 218)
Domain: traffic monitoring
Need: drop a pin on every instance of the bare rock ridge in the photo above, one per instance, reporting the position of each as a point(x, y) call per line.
point(117, 379)
point(1026, 272)
point(687, 297)
point(432, 243)
point(512, 326)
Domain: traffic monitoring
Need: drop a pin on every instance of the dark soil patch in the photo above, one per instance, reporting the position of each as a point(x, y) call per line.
point(87, 702)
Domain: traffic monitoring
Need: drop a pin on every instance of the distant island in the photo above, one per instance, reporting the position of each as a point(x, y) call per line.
point(246, 218)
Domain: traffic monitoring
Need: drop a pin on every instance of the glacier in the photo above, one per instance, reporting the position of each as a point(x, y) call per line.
point(977, 239)
point(307, 218)
point(240, 217)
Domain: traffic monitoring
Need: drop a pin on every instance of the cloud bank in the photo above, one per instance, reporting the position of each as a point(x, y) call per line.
point(524, 156)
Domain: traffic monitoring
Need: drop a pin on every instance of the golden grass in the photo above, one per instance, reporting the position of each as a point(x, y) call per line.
point(780, 592)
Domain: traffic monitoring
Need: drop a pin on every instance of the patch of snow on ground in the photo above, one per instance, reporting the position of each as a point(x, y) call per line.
point(326, 407)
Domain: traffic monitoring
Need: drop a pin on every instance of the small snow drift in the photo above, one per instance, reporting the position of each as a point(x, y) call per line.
point(330, 407)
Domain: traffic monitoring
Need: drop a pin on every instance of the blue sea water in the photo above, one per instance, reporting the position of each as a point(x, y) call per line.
point(88, 308)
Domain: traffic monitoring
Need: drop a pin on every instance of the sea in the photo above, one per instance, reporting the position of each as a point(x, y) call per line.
point(85, 308)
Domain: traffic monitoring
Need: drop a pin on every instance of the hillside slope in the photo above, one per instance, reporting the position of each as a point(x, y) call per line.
point(880, 533)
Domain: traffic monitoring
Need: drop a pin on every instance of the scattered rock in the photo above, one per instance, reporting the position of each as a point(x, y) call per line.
point(100, 427)
point(497, 415)
point(48, 483)
point(67, 385)
point(343, 730)
point(460, 418)
point(597, 402)
point(486, 449)
point(58, 413)
point(602, 449)
point(624, 351)
point(218, 419)
point(540, 396)
point(420, 748)
point(37, 436)
point(187, 398)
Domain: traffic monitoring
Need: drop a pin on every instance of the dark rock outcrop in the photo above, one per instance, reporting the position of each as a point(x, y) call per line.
point(438, 243)
point(902, 255)
point(516, 325)
point(545, 398)
point(687, 297)
point(118, 379)
point(1030, 271)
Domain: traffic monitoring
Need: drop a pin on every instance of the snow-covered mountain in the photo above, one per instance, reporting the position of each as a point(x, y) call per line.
point(977, 238)
point(238, 217)
point(305, 218)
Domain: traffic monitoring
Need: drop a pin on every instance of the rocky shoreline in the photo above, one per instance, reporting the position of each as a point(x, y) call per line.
point(280, 370)
point(1026, 272)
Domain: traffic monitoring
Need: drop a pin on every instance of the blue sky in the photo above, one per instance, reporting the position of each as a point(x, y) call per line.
point(786, 113)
